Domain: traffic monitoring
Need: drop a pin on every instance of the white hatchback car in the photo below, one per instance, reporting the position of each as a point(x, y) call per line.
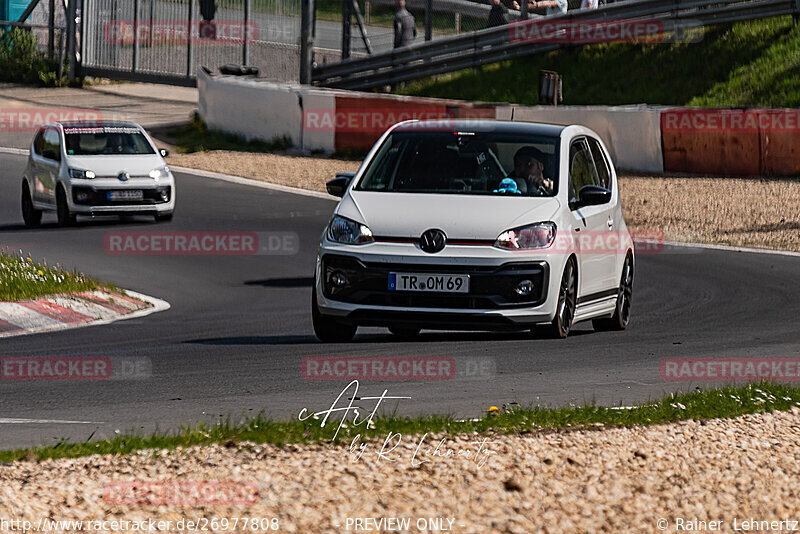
point(91, 169)
point(476, 225)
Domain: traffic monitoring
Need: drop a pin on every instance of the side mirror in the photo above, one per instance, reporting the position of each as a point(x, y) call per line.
point(338, 185)
point(591, 195)
point(164, 152)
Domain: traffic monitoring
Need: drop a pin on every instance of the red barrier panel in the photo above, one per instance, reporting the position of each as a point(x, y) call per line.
point(744, 142)
point(359, 121)
point(711, 141)
point(780, 141)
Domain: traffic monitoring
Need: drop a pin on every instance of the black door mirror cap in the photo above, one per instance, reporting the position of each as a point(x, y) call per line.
point(593, 195)
point(338, 185)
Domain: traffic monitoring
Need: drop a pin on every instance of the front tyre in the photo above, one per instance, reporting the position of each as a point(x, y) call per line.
point(65, 217)
point(329, 330)
point(30, 215)
point(622, 313)
point(567, 301)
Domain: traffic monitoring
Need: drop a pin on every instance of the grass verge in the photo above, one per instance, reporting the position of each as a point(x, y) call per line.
point(752, 63)
point(728, 401)
point(22, 278)
point(196, 137)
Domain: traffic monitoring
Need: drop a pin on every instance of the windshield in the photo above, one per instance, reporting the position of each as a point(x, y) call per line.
point(106, 141)
point(480, 163)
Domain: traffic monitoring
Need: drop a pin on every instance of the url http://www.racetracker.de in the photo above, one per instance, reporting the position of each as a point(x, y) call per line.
point(200, 524)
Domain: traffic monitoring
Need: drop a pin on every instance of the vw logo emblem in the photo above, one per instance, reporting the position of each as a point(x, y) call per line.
point(123, 176)
point(432, 241)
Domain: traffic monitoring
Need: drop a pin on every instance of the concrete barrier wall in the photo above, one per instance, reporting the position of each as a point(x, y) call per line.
point(631, 133)
point(640, 138)
point(250, 108)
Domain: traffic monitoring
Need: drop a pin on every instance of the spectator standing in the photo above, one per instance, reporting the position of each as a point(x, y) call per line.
point(589, 4)
point(498, 15)
point(405, 28)
point(552, 7)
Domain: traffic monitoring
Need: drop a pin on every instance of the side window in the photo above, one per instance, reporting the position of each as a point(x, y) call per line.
point(52, 143)
point(600, 163)
point(581, 168)
point(38, 143)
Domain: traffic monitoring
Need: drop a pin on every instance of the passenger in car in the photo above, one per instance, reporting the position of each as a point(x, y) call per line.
point(529, 165)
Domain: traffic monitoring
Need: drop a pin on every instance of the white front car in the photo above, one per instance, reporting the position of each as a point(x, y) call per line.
point(441, 229)
point(95, 169)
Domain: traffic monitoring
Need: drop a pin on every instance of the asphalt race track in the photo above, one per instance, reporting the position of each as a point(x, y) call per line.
point(232, 343)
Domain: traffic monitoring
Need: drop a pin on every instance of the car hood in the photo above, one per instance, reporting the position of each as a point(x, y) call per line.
point(112, 165)
point(459, 216)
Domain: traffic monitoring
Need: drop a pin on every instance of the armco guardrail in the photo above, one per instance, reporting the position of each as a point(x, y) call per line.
point(496, 44)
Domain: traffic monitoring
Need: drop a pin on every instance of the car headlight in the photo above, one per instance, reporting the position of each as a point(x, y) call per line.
point(349, 232)
point(161, 172)
point(539, 235)
point(81, 174)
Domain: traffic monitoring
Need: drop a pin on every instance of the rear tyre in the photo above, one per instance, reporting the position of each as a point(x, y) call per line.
point(622, 313)
point(565, 310)
point(404, 332)
point(163, 217)
point(65, 217)
point(30, 215)
point(327, 329)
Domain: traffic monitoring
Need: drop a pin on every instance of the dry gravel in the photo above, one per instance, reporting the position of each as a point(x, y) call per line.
point(614, 480)
point(748, 212)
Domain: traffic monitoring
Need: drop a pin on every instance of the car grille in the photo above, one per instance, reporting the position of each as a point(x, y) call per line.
point(491, 287)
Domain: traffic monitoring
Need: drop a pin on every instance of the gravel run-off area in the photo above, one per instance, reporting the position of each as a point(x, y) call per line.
point(614, 480)
point(750, 212)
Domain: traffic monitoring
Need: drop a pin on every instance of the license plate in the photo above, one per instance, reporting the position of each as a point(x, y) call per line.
point(434, 283)
point(126, 194)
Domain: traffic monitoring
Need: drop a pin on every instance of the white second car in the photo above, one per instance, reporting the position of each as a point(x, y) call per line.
point(477, 225)
point(108, 168)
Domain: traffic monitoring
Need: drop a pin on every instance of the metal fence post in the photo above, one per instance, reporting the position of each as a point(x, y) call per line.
point(152, 21)
point(51, 29)
point(71, 29)
point(346, 19)
point(246, 34)
point(306, 40)
point(135, 62)
point(189, 41)
point(428, 20)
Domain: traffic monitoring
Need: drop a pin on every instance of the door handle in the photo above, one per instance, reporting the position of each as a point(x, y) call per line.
point(610, 223)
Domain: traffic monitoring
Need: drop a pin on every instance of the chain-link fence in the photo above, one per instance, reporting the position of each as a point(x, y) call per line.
point(176, 37)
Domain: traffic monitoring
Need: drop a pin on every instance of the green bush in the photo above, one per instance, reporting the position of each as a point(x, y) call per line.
point(21, 60)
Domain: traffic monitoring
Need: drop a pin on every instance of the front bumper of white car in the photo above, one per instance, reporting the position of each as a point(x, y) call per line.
point(97, 197)
point(491, 303)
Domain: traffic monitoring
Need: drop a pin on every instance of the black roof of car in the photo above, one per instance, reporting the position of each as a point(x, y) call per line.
point(484, 125)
